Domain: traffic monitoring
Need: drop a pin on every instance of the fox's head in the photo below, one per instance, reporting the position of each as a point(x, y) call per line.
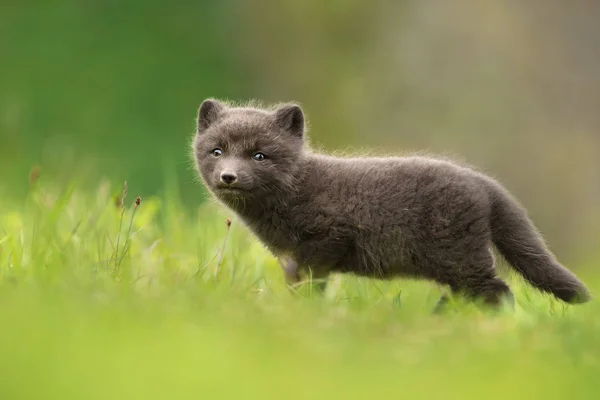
point(244, 153)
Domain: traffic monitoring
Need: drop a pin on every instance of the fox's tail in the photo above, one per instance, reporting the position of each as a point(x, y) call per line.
point(519, 242)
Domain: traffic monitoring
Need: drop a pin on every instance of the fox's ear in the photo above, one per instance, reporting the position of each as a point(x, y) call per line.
point(291, 118)
point(208, 113)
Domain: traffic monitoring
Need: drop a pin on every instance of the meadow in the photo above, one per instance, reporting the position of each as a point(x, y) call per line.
point(103, 299)
point(110, 297)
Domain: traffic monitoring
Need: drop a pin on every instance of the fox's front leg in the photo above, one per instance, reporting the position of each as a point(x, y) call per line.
point(290, 270)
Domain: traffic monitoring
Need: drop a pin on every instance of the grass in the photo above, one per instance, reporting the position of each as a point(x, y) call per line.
point(103, 299)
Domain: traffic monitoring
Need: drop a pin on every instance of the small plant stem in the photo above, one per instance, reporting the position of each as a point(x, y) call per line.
point(120, 224)
point(223, 249)
point(128, 238)
point(119, 238)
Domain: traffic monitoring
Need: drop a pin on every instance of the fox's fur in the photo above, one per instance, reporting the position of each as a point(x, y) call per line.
point(387, 217)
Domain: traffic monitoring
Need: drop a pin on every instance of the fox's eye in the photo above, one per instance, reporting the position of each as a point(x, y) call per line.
point(217, 152)
point(258, 156)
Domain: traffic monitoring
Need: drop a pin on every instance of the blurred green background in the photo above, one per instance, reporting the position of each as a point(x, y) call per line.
point(109, 89)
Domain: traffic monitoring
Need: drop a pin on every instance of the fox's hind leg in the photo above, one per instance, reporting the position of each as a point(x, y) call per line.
point(491, 290)
point(476, 280)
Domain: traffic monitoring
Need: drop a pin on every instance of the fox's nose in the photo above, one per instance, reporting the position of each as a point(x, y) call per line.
point(228, 177)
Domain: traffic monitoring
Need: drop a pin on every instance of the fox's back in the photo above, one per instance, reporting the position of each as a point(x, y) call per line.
point(393, 210)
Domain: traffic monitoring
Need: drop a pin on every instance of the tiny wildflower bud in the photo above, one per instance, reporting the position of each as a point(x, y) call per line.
point(138, 201)
point(228, 222)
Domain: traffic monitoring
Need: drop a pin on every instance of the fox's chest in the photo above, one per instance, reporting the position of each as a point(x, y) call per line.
point(274, 232)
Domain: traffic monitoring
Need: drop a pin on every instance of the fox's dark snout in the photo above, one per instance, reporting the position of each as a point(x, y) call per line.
point(228, 177)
